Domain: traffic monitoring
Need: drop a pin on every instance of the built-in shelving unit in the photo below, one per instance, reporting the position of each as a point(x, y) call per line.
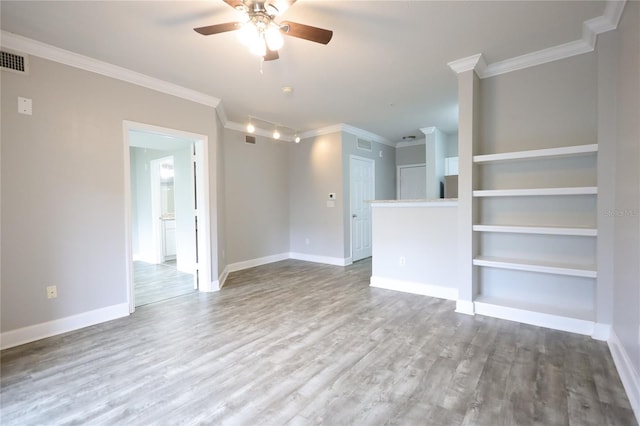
point(536, 266)
point(536, 154)
point(551, 279)
point(528, 192)
point(541, 230)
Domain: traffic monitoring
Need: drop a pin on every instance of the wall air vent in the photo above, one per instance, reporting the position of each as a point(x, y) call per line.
point(13, 61)
point(364, 145)
point(250, 139)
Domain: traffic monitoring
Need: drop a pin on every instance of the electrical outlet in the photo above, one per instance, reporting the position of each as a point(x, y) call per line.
point(402, 261)
point(52, 292)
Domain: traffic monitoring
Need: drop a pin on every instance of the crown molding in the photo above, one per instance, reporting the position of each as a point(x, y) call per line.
point(474, 62)
point(239, 127)
point(416, 142)
point(364, 134)
point(347, 128)
point(55, 54)
point(540, 57)
point(428, 130)
point(590, 30)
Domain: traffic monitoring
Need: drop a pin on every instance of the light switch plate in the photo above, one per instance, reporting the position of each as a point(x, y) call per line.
point(25, 106)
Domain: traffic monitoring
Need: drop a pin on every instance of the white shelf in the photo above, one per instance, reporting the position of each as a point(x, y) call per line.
point(538, 153)
point(581, 190)
point(535, 266)
point(543, 230)
point(566, 319)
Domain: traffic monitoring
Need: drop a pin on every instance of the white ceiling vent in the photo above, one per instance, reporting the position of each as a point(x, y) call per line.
point(14, 61)
point(364, 145)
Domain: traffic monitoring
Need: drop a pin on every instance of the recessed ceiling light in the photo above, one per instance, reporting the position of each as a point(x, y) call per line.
point(287, 90)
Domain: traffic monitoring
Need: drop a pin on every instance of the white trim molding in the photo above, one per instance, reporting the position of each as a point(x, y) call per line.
point(246, 264)
point(590, 30)
point(342, 127)
point(628, 374)
point(465, 307)
point(336, 261)
point(414, 287)
point(416, 142)
point(239, 127)
point(601, 332)
point(474, 62)
point(20, 336)
point(66, 57)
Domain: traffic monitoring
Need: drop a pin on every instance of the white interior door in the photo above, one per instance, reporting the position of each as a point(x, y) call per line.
point(362, 177)
point(412, 182)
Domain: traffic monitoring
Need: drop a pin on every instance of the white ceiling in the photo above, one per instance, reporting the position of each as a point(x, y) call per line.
point(384, 71)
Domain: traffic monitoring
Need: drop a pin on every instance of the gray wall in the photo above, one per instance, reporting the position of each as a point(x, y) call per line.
point(385, 178)
point(546, 106)
point(315, 171)
point(626, 296)
point(63, 187)
point(414, 154)
point(452, 145)
point(257, 197)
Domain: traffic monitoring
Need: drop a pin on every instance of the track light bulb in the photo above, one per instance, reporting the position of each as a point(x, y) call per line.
point(276, 134)
point(297, 139)
point(251, 128)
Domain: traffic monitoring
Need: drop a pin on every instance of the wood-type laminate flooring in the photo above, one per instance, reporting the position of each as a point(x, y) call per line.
point(300, 343)
point(153, 283)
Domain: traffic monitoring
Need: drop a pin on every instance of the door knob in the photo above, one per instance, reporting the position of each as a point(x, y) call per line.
point(354, 215)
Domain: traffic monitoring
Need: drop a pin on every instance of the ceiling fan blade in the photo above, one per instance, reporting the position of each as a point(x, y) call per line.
point(271, 55)
point(234, 3)
point(218, 28)
point(306, 32)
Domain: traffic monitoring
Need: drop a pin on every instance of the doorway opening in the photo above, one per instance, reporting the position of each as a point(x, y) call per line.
point(167, 214)
point(412, 182)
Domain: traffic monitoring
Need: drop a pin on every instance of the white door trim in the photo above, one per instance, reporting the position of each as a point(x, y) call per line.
point(373, 168)
point(203, 214)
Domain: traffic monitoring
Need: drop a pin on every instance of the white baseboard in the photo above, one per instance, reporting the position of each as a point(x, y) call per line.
point(465, 307)
point(35, 332)
point(539, 319)
point(211, 287)
point(601, 332)
point(246, 264)
point(336, 261)
point(627, 372)
point(415, 288)
point(222, 279)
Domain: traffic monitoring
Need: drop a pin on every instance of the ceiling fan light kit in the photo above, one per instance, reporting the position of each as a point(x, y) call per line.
point(260, 32)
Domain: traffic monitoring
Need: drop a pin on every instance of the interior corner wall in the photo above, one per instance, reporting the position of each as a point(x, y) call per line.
point(63, 205)
point(385, 177)
point(626, 294)
point(257, 197)
point(221, 216)
point(316, 231)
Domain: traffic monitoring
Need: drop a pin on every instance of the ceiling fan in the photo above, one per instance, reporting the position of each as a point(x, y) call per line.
point(260, 32)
